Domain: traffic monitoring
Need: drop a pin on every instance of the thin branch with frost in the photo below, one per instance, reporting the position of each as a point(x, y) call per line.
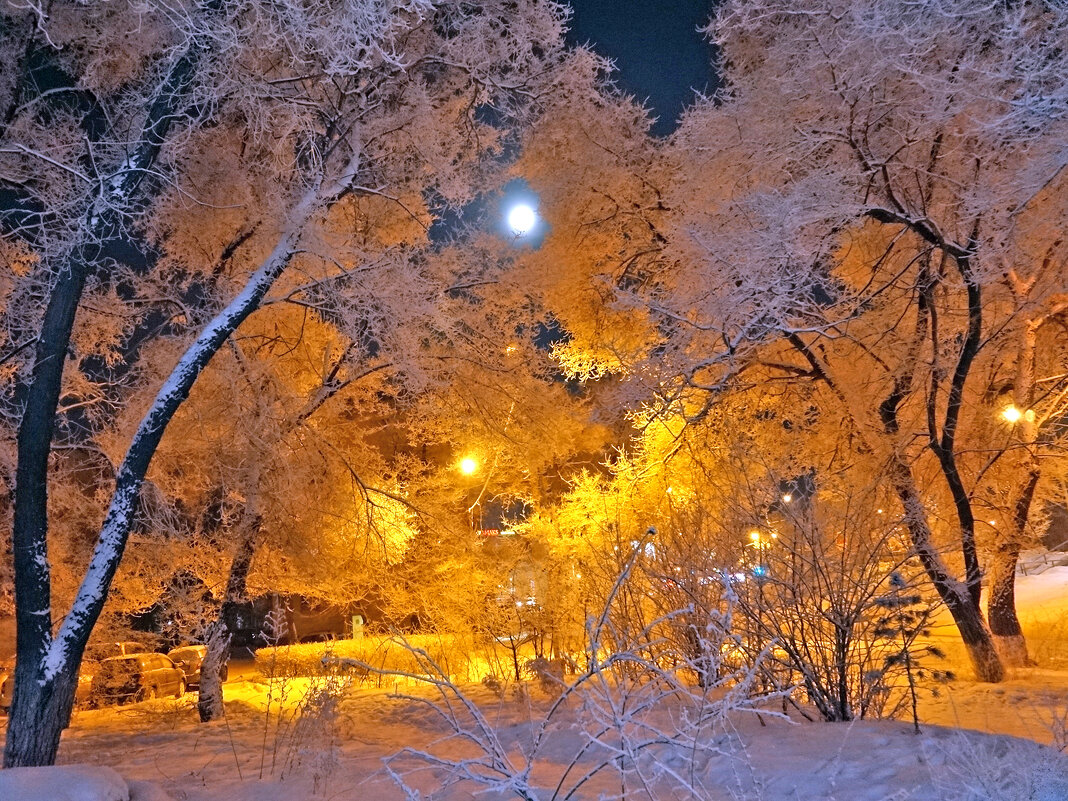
point(638, 719)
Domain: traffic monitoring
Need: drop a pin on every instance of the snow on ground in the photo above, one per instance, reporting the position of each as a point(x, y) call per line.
point(1043, 593)
point(1042, 604)
point(1032, 702)
point(251, 756)
point(246, 758)
point(64, 783)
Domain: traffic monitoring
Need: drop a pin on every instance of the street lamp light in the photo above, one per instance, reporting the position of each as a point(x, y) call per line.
point(1011, 414)
point(468, 465)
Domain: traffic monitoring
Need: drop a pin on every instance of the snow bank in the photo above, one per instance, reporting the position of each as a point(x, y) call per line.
point(744, 760)
point(74, 783)
point(63, 783)
point(1045, 592)
point(147, 791)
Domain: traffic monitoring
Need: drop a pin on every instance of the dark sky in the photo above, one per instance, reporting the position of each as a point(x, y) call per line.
point(660, 57)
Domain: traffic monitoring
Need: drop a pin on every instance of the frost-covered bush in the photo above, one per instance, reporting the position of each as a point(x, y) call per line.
point(633, 719)
point(970, 768)
point(310, 740)
point(842, 608)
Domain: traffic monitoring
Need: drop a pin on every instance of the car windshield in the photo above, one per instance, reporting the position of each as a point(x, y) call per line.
point(184, 653)
point(121, 664)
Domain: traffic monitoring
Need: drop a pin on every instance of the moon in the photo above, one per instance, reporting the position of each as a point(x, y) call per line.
point(522, 218)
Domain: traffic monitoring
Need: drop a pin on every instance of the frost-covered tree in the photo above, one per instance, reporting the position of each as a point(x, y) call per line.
point(168, 165)
point(268, 469)
point(1021, 433)
point(602, 186)
point(851, 207)
point(871, 208)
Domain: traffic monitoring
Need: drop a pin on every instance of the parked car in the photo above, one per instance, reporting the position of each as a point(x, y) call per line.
point(82, 692)
point(189, 658)
point(102, 650)
point(137, 677)
point(123, 648)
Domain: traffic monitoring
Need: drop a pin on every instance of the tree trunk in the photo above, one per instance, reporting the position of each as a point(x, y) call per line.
point(209, 694)
point(1001, 602)
point(944, 446)
point(46, 671)
point(210, 697)
point(35, 721)
point(955, 594)
point(977, 638)
point(64, 650)
point(40, 711)
point(1001, 607)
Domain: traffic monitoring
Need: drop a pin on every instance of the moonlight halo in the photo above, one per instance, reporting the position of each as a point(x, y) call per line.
point(522, 218)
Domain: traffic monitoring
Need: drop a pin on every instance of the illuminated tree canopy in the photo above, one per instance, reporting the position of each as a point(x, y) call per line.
point(273, 318)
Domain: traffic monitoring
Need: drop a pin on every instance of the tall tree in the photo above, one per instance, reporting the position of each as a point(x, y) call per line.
point(241, 126)
point(876, 162)
point(871, 206)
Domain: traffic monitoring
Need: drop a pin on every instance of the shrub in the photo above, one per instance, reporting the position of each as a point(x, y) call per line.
point(382, 653)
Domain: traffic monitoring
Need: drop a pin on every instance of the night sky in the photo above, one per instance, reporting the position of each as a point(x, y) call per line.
point(660, 57)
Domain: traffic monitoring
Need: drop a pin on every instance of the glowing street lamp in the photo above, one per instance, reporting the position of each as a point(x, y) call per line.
point(522, 218)
point(468, 465)
point(1011, 414)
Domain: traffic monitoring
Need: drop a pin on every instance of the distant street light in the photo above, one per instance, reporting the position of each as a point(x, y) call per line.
point(468, 465)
